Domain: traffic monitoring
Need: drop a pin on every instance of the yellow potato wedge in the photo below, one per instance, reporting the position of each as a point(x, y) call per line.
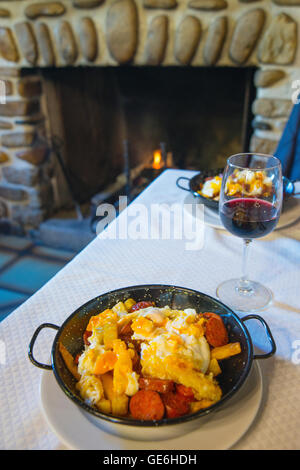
point(122, 367)
point(120, 308)
point(214, 367)
point(110, 333)
point(107, 382)
point(200, 405)
point(69, 361)
point(104, 406)
point(223, 352)
point(129, 303)
point(119, 403)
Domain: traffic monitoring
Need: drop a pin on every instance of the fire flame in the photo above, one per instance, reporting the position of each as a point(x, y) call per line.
point(157, 160)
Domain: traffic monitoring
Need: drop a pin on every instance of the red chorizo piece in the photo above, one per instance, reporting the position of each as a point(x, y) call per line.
point(215, 330)
point(175, 404)
point(186, 392)
point(208, 315)
point(157, 385)
point(135, 342)
point(86, 335)
point(126, 329)
point(146, 405)
point(136, 363)
point(76, 360)
point(140, 305)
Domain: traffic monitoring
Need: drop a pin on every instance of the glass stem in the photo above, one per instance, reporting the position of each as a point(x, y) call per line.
point(244, 286)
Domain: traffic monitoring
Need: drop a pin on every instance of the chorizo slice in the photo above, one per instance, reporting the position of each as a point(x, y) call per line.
point(175, 404)
point(140, 305)
point(215, 332)
point(157, 385)
point(186, 392)
point(126, 329)
point(147, 405)
point(76, 360)
point(86, 335)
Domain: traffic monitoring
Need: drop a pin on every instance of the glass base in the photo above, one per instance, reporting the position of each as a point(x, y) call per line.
point(248, 297)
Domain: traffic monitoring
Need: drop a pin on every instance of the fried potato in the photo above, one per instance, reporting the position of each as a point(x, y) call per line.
point(68, 360)
point(104, 406)
point(107, 382)
point(110, 332)
point(223, 352)
point(119, 403)
point(168, 368)
point(129, 303)
point(122, 368)
point(120, 308)
point(214, 367)
point(200, 405)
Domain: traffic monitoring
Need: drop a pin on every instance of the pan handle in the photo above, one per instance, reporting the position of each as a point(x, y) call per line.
point(182, 178)
point(32, 342)
point(268, 333)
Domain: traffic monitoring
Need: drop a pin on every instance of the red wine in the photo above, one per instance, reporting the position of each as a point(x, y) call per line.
point(249, 218)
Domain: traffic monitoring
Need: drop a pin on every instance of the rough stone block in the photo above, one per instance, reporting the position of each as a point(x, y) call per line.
point(26, 176)
point(279, 43)
point(18, 139)
point(19, 108)
point(122, 30)
point(12, 193)
point(157, 39)
point(187, 39)
point(8, 47)
point(30, 87)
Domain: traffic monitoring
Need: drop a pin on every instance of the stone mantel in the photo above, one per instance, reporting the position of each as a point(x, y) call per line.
point(112, 32)
point(39, 33)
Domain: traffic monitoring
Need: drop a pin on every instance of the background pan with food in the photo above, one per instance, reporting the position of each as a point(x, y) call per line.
point(206, 185)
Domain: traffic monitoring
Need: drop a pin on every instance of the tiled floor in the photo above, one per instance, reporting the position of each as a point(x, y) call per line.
point(24, 268)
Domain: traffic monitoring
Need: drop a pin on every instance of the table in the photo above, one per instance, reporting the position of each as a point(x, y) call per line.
point(107, 264)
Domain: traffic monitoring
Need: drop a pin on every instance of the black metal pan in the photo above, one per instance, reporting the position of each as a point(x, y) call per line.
point(234, 370)
point(194, 184)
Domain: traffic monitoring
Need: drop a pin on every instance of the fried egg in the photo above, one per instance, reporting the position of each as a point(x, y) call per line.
point(178, 334)
point(211, 188)
point(88, 358)
point(90, 388)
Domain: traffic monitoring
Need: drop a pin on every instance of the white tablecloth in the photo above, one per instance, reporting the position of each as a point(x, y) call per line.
point(107, 264)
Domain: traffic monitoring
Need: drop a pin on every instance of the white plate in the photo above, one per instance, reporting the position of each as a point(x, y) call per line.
point(219, 431)
point(289, 216)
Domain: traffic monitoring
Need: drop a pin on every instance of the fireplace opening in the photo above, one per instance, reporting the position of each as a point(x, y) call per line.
point(201, 114)
point(87, 135)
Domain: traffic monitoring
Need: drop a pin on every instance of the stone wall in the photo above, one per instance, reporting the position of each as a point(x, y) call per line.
point(26, 169)
point(239, 33)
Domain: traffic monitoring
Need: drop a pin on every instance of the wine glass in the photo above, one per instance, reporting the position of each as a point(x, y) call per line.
point(249, 207)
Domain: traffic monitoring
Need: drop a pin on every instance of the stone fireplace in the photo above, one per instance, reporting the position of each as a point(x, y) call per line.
point(39, 38)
